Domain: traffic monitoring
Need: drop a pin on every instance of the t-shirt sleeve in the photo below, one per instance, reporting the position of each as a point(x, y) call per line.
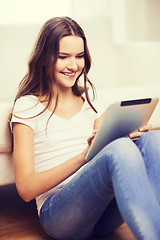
point(24, 112)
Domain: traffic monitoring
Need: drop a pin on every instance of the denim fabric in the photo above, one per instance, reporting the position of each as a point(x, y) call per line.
point(121, 183)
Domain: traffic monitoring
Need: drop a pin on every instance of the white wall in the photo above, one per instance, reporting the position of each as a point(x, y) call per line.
point(138, 63)
point(135, 20)
point(153, 20)
point(16, 42)
point(142, 19)
point(136, 39)
point(32, 11)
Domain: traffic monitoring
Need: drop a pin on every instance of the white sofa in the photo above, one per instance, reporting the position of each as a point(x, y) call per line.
point(110, 95)
point(6, 164)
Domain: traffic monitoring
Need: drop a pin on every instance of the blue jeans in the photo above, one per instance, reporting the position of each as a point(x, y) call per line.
point(121, 183)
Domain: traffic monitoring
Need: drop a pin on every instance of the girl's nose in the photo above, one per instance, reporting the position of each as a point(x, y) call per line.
point(72, 65)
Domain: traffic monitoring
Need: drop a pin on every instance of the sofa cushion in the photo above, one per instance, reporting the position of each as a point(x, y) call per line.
point(6, 169)
point(5, 136)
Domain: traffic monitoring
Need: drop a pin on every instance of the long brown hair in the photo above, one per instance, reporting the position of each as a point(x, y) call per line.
point(40, 76)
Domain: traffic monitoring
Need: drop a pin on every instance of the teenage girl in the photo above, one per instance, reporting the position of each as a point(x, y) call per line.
point(54, 122)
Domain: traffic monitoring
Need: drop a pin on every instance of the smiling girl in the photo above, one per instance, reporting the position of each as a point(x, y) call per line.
point(53, 124)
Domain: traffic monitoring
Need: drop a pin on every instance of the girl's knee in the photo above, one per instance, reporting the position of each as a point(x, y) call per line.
point(122, 151)
point(149, 139)
point(123, 147)
point(121, 157)
point(148, 145)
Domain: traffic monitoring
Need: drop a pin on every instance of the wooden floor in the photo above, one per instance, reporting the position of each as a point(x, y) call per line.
point(19, 220)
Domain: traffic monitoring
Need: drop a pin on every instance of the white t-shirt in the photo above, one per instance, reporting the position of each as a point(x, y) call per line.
point(64, 138)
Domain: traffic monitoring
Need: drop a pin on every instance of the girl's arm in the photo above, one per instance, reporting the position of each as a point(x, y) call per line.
point(30, 184)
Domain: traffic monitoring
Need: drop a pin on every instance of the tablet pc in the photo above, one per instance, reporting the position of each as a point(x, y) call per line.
point(120, 120)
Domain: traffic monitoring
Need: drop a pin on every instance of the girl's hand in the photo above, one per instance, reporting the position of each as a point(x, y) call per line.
point(90, 139)
point(138, 133)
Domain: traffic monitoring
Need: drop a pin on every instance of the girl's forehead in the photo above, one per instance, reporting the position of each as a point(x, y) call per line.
point(71, 44)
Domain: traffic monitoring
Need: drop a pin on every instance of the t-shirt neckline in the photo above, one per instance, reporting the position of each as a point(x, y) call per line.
point(62, 118)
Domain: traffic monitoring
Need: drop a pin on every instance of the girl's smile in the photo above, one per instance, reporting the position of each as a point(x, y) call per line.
point(69, 74)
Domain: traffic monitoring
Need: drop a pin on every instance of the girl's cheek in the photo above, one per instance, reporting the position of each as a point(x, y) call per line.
point(81, 64)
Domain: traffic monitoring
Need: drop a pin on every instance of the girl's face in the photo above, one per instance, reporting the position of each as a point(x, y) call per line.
point(70, 62)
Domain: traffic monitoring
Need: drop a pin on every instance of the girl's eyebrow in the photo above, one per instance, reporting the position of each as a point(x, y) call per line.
point(64, 53)
point(80, 53)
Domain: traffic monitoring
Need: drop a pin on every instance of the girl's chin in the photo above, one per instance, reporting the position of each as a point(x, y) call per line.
point(66, 86)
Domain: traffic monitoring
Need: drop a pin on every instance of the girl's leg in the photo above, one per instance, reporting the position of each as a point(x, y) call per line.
point(74, 212)
point(137, 201)
point(149, 145)
point(109, 221)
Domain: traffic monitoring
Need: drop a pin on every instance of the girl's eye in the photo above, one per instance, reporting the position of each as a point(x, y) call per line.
point(62, 57)
point(80, 56)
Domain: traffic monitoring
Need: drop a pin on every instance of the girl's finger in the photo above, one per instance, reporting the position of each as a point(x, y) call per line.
point(145, 128)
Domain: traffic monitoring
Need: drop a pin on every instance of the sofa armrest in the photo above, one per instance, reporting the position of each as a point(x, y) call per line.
point(5, 134)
